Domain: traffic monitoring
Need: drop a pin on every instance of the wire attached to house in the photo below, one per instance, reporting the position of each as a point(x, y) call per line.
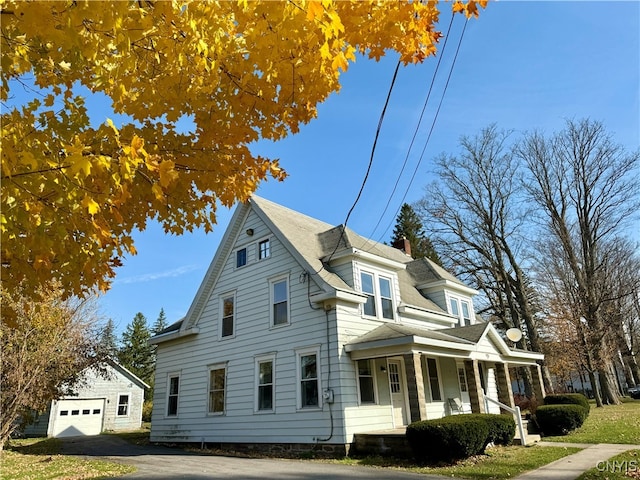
point(373, 150)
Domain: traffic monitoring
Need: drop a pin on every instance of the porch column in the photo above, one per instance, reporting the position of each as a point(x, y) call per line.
point(476, 395)
point(538, 385)
point(415, 386)
point(505, 392)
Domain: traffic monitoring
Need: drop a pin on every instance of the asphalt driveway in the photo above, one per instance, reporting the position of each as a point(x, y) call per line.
point(155, 462)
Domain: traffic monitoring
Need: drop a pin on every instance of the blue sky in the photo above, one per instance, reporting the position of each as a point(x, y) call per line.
point(521, 65)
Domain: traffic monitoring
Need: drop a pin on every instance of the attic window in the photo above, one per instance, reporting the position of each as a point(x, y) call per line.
point(264, 249)
point(241, 257)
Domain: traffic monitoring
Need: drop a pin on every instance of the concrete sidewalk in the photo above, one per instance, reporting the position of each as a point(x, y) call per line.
point(572, 466)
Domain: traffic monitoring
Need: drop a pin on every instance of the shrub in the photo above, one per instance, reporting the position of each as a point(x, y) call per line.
point(147, 407)
point(560, 419)
point(449, 438)
point(502, 428)
point(568, 399)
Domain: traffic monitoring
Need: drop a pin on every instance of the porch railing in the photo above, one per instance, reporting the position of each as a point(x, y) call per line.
point(515, 411)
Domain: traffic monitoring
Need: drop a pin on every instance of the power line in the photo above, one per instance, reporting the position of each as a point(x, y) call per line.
point(373, 150)
point(435, 118)
point(415, 133)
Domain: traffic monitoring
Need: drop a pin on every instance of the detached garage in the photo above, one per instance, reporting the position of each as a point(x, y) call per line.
point(111, 402)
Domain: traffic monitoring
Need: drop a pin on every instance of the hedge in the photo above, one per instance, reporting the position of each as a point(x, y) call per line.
point(502, 428)
point(568, 399)
point(560, 419)
point(449, 438)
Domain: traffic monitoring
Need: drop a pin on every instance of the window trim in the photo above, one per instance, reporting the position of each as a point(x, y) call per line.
point(438, 377)
point(302, 352)
point(460, 368)
point(259, 359)
point(128, 404)
point(237, 257)
point(266, 240)
point(459, 300)
point(211, 368)
point(222, 298)
point(377, 294)
point(272, 283)
point(171, 375)
point(374, 383)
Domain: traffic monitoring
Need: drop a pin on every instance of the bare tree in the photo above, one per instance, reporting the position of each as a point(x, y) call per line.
point(478, 218)
point(587, 189)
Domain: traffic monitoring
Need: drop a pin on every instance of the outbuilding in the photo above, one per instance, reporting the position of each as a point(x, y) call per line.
point(107, 401)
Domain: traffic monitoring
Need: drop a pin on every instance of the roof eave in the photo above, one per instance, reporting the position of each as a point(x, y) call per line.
point(175, 335)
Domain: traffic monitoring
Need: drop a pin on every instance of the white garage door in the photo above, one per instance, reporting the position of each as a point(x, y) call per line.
point(78, 417)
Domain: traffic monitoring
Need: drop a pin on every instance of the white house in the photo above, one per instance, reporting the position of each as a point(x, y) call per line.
point(303, 333)
point(109, 400)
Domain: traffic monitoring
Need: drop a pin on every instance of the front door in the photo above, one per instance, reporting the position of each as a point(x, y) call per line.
point(396, 387)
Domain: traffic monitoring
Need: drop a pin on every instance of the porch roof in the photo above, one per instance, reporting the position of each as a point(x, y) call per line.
point(461, 342)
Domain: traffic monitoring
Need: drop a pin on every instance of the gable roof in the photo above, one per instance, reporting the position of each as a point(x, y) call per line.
point(314, 243)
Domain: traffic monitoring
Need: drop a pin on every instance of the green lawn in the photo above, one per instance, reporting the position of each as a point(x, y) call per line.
point(499, 463)
point(621, 467)
point(39, 459)
point(608, 424)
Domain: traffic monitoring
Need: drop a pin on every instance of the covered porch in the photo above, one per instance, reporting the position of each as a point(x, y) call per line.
point(433, 373)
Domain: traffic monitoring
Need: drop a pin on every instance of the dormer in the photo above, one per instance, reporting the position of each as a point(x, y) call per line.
point(444, 290)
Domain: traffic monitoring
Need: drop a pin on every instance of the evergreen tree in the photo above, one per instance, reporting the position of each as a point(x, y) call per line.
point(161, 323)
point(108, 344)
point(135, 353)
point(409, 226)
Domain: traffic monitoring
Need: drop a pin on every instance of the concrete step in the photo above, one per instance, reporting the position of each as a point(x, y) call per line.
point(529, 437)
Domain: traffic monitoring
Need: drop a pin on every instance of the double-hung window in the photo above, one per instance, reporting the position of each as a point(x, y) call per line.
point(228, 315)
point(279, 301)
point(366, 382)
point(379, 292)
point(264, 249)
point(434, 380)
point(309, 379)
point(173, 390)
point(368, 288)
point(461, 309)
point(265, 383)
point(123, 405)
point(217, 388)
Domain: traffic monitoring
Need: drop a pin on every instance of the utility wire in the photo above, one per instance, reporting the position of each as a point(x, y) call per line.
point(435, 118)
point(373, 150)
point(415, 133)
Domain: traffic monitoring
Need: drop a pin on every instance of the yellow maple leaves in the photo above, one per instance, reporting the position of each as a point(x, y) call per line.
point(72, 192)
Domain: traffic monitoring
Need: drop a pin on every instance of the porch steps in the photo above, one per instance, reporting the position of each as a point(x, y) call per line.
point(531, 438)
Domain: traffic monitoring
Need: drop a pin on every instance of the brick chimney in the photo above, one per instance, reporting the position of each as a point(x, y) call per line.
point(403, 244)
